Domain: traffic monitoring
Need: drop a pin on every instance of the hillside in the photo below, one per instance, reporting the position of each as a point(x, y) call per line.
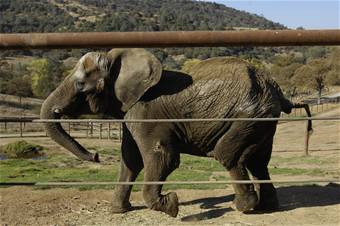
point(122, 15)
point(17, 16)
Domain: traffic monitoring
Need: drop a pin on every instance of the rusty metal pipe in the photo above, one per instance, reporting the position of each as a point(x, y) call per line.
point(170, 39)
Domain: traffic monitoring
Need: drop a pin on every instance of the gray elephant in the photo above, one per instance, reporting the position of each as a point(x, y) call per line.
point(130, 84)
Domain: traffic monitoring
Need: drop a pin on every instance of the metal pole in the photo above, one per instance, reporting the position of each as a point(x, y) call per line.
point(20, 129)
point(87, 130)
point(307, 134)
point(109, 131)
point(120, 132)
point(100, 130)
point(170, 39)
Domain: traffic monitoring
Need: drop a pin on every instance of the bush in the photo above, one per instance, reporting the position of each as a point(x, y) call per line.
point(21, 149)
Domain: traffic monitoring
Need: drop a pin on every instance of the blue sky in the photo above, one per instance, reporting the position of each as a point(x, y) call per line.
point(310, 14)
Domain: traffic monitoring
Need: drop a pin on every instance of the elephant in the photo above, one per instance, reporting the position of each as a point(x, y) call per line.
point(131, 84)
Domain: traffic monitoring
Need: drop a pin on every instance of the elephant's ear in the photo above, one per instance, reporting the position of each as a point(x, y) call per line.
point(139, 70)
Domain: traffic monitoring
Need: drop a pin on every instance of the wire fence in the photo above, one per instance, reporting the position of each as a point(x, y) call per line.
point(54, 184)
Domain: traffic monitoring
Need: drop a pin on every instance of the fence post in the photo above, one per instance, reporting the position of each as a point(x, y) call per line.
point(87, 130)
point(69, 128)
point(100, 130)
point(20, 129)
point(120, 132)
point(91, 129)
point(109, 131)
point(307, 134)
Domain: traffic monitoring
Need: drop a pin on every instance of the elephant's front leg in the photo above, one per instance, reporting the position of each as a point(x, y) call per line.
point(131, 165)
point(121, 203)
point(158, 166)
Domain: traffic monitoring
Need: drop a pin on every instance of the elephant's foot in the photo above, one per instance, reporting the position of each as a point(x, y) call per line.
point(121, 208)
point(268, 202)
point(245, 202)
point(168, 204)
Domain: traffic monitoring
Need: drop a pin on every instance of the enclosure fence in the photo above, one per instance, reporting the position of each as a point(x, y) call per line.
point(170, 39)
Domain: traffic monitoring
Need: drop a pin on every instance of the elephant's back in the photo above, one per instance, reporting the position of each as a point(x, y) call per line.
point(223, 68)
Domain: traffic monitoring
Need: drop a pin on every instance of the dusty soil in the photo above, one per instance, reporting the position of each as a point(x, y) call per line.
point(300, 205)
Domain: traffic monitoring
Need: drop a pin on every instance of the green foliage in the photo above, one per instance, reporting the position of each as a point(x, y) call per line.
point(312, 75)
point(21, 149)
point(46, 75)
point(297, 74)
point(315, 52)
point(14, 79)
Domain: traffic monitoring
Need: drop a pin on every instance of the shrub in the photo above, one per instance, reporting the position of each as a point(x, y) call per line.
point(21, 149)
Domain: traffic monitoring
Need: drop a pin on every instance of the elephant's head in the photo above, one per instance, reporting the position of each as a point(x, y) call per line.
point(101, 83)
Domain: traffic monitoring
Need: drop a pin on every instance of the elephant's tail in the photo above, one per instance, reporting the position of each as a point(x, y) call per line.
point(287, 107)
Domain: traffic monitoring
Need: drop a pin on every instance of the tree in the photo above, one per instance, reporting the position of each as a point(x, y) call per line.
point(283, 71)
point(19, 86)
point(313, 76)
point(315, 52)
point(46, 75)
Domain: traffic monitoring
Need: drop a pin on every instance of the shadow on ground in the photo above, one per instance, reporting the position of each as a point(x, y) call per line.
point(291, 197)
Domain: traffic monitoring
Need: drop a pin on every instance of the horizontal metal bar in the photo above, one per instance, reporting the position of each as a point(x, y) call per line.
point(170, 39)
point(189, 120)
point(18, 119)
point(171, 182)
point(36, 120)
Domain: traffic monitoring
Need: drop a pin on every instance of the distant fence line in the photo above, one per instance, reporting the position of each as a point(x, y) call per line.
point(100, 121)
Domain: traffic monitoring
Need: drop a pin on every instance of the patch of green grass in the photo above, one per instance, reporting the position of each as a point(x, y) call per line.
point(312, 160)
point(189, 162)
point(287, 171)
point(105, 151)
point(297, 171)
point(63, 167)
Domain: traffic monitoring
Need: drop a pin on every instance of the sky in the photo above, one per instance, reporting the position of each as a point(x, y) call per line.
point(309, 14)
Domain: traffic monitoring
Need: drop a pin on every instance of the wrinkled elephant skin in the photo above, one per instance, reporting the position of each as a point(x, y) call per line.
point(130, 84)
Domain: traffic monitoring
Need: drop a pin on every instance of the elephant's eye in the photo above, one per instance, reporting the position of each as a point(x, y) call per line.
point(87, 74)
point(80, 85)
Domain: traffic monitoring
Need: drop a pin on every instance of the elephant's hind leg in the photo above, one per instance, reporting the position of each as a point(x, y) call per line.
point(257, 165)
point(245, 196)
point(232, 151)
point(131, 165)
point(158, 165)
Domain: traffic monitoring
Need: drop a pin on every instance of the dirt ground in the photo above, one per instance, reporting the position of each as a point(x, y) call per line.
point(317, 204)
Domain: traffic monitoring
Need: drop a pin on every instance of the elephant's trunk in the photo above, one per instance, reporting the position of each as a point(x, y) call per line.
point(52, 108)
